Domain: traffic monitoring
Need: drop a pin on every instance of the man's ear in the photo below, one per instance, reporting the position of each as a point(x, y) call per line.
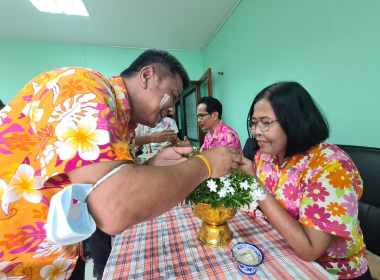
point(145, 75)
point(215, 115)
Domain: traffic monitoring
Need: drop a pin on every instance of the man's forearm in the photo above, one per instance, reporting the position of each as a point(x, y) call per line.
point(137, 194)
point(142, 140)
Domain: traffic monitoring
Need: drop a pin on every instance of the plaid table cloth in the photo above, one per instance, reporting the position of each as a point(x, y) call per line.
point(168, 248)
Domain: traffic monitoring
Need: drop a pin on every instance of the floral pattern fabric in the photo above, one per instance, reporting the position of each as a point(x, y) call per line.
point(223, 136)
point(167, 123)
point(321, 189)
point(60, 120)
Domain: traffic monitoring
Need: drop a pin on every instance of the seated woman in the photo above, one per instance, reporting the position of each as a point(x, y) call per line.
point(209, 116)
point(314, 187)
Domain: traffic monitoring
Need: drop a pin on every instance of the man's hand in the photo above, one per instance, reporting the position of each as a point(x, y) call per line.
point(170, 156)
point(247, 167)
point(163, 136)
point(223, 160)
point(185, 143)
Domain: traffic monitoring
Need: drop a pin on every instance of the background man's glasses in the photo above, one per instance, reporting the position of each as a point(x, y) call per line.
point(264, 126)
point(201, 116)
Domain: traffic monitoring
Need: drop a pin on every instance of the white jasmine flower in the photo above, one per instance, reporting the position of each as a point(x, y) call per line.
point(223, 178)
point(222, 192)
point(231, 190)
point(212, 185)
point(227, 183)
point(254, 185)
point(253, 205)
point(258, 194)
point(244, 185)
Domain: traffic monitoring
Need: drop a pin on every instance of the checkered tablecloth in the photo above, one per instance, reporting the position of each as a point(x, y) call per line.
point(168, 248)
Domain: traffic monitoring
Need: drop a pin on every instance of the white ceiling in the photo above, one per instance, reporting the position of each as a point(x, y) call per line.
point(167, 24)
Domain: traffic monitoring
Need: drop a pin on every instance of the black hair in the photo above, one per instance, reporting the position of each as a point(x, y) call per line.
point(298, 114)
point(163, 64)
point(212, 105)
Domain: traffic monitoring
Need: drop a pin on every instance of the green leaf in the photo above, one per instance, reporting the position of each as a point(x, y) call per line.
point(308, 201)
point(237, 202)
point(346, 219)
point(333, 271)
point(339, 192)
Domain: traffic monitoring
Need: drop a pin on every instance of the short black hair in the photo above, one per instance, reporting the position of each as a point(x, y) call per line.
point(212, 105)
point(163, 64)
point(298, 114)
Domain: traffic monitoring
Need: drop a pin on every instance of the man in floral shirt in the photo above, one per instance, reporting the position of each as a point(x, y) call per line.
point(209, 116)
point(72, 125)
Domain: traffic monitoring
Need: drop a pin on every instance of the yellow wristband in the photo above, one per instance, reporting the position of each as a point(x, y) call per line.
point(207, 163)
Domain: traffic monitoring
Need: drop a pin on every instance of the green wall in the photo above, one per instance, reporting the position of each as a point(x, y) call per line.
point(20, 61)
point(331, 47)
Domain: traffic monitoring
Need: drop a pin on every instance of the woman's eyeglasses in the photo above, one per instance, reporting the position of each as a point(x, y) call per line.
point(264, 126)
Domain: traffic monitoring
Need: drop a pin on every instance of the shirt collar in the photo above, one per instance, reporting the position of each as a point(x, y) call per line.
point(218, 130)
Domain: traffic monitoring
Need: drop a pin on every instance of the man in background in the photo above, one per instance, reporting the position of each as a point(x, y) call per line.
point(209, 116)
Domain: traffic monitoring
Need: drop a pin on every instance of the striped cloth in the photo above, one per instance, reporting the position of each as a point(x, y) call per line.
point(168, 248)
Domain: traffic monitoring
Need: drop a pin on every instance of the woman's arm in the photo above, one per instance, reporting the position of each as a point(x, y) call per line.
point(308, 243)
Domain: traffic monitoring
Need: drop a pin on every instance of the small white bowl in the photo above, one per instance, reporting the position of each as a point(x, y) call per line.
point(247, 265)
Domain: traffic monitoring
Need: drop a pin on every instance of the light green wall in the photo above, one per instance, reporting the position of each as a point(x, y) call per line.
point(20, 61)
point(331, 47)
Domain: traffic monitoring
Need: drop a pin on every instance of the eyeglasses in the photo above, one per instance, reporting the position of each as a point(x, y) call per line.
point(201, 116)
point(264, 126)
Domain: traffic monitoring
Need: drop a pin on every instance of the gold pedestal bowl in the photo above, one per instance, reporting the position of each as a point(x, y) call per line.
point(214, 231)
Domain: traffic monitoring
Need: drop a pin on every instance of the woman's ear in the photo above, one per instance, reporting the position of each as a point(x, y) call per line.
point(145, 75)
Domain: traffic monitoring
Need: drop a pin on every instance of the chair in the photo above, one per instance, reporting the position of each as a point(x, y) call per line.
point(367, 160)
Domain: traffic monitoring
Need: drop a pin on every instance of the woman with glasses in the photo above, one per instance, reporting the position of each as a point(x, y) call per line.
point(313, 187)
point(209, 117)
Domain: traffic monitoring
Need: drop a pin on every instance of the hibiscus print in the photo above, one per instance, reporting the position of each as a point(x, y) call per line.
point(23, 184)
point(336, 209)
point(56, 271)
point(348, 272)
point(307, 222)
point(351, 205)
point(20, 142)
point(31, 110)
point(340, 179)
point(14, 240)
point(71, 88)
point(335, 228)
point(339, 248)
point(317, 192)
point(317, 214)
point(83, 138)
point(290, 192)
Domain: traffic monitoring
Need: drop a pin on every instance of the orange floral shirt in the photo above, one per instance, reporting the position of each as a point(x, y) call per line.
point(60, 120)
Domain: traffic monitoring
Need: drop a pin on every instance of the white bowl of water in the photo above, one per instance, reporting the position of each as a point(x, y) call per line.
point(248, 256)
